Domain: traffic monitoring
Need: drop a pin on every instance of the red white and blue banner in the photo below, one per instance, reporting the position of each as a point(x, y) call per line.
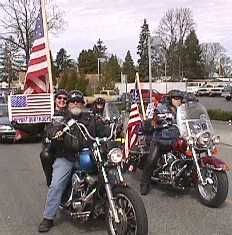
point(31, 108)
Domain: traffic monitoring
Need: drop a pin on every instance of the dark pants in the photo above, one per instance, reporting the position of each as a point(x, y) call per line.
point(157, 148)
point(47, 161)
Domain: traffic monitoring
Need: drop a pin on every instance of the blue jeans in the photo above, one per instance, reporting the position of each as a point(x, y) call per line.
point(62, 170)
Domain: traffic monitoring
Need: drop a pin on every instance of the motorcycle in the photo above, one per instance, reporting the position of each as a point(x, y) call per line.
point(97, 187)
point(190, 160)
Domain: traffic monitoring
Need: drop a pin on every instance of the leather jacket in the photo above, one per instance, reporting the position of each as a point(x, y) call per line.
point(71, 144)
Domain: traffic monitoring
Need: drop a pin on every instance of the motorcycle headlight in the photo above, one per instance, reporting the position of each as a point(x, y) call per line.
point(216, 140)
point(203, 140)
point(115, 155)
point(191, 140)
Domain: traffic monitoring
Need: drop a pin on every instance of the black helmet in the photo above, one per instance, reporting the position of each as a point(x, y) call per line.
point(176, 93)
point(100, 100)
point(99, 105)
point(61, 92)
point(76, 95)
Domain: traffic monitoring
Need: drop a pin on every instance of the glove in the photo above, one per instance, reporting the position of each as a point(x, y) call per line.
point(15, 124)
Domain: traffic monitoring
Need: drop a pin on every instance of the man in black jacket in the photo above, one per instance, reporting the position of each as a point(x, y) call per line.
point(65, 152)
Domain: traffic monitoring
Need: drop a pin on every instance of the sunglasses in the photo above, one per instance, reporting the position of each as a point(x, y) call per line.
point(76, 101)
point(62, 98)
point(177, 97)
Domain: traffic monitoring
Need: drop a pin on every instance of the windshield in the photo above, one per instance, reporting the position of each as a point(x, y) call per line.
point(111, 112)
point(193, 119)
point(3, 111)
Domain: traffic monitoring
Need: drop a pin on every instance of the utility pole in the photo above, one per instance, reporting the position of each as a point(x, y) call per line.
point(149, 64)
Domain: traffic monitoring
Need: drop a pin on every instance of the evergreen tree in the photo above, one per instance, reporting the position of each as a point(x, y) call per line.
point(63, 61)
point(129, 68)
point(54, 70)
point(193, 66)
point(87, 62)
point(100, 49)
point(72, 80)
point(143, 52)
point(112, 73)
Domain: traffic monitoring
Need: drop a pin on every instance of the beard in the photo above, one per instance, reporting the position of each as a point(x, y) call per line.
point(75, 111)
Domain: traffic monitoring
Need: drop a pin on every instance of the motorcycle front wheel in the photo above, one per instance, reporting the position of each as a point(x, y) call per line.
point(214, 193)
point(131, 212)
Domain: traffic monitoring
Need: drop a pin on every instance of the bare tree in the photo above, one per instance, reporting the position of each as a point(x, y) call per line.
point(17, 19)
point(175, 25)
point(167, 29)
point(211, 54)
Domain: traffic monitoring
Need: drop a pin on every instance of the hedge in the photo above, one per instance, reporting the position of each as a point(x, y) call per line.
point(218, 114)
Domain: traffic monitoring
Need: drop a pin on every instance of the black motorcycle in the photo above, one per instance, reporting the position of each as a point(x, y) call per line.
point(97, 187)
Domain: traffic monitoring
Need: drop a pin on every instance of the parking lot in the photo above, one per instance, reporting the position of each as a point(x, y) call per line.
point(216, 103)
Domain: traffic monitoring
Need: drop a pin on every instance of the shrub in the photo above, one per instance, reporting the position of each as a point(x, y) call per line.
point(218, 114)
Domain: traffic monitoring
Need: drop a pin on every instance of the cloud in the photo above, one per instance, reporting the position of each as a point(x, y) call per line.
point(118, 22)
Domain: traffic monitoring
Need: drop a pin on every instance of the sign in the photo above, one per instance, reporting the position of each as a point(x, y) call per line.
point(31, 108)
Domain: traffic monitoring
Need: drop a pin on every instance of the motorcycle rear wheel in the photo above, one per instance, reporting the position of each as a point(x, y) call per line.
point(215, 193)
point(131, 211)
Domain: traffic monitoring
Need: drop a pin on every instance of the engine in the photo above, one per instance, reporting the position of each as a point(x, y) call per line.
point(170, 169)
point(82, 190)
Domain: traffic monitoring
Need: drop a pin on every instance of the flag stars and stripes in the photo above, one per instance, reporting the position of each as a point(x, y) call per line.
point(37, 74)
point(18, 101)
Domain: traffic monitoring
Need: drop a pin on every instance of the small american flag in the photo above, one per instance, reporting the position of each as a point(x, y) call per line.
point(134, 124)
point(31, 108)
point(37, 77)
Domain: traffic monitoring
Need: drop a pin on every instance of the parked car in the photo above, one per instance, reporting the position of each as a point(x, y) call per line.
point(146, 95)
point(227, 92)
point(7, 132)
point(202, 92)
point(217, 91)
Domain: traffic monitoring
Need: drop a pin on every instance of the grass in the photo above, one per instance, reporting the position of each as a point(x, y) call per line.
point(218, 114)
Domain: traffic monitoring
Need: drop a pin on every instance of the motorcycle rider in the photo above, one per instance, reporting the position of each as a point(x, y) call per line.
point(98, 106)
point(157, 147)
point(65, 151)
point(60, 109)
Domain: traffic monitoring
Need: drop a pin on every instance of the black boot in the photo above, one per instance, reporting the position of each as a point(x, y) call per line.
point(144, 188)
point(45, 225)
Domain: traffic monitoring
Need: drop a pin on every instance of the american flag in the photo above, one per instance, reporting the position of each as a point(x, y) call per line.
point(37, 77)
point(31, 108)
point(134, 123)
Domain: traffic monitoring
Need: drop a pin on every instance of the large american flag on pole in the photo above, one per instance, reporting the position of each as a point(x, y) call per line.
point(36, 104)
point(134, 123)
point(37, 76)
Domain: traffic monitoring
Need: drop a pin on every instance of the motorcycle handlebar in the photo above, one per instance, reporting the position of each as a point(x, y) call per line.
point(82, 127)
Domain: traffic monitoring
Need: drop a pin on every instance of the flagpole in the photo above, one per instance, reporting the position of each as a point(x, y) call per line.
point(45, 25)
point(140, 96)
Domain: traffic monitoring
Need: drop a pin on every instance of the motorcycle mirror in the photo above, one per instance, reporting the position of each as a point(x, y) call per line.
point(71, 122)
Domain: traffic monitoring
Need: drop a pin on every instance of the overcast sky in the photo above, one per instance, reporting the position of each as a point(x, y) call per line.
point(118, 22)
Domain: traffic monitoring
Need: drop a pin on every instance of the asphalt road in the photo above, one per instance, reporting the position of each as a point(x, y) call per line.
point(23, 192)
point(216, 103)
